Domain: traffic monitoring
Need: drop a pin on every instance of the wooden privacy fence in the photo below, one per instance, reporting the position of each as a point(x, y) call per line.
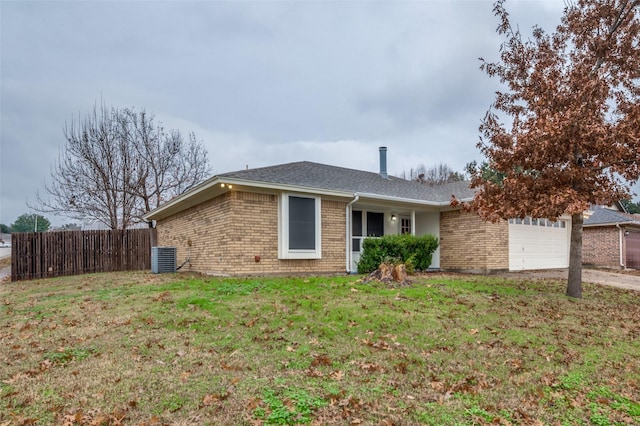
point(53, 254)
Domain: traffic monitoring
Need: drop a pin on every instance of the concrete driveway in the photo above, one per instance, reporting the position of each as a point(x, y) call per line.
point(5, 273)
point(630, 280)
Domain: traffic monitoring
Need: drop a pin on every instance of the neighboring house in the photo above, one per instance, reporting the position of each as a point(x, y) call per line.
point(611, 238)
point(5, 240)
point(306, 217)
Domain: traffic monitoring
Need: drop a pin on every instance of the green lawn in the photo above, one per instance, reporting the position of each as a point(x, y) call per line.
point(144, 349)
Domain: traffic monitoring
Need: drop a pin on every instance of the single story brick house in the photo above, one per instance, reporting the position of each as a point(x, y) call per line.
point(310, 218)
point(611, 238)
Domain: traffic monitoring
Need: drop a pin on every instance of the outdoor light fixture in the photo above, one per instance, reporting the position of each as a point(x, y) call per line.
point(393, 218)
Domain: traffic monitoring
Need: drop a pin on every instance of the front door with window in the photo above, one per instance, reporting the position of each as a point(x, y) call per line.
point(364, 224)
point(356, 231)
point(405, 225)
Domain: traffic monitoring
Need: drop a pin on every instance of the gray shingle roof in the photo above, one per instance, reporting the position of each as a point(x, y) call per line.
point(324, 177)
point(603, 216)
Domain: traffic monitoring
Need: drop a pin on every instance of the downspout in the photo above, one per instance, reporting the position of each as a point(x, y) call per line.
point(621, 236)
point(348, 231)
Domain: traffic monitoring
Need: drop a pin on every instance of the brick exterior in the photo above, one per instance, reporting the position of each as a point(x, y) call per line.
point(468, 243)
point(229, 233)
point(601, 247)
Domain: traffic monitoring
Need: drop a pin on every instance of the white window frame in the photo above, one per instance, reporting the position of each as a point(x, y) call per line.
point(284, 252)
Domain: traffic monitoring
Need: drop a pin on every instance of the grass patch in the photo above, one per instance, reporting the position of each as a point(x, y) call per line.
point(289, 406)
point(65, 355)
point(141, 348)
point(5, 262)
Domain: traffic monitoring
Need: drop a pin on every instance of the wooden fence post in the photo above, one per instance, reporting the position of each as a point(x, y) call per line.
point(47, 254)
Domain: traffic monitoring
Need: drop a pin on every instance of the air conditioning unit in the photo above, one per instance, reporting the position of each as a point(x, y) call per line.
point(163, 259)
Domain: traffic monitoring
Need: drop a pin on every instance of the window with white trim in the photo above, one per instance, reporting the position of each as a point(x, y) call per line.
point(299, 227)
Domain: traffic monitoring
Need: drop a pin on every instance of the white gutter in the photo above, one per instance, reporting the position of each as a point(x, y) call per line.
point(411, 200)
point(621, 237)
point(348, 231)
point(285, 187)
point(594, 225)
point(336, 193)
point(217, 180)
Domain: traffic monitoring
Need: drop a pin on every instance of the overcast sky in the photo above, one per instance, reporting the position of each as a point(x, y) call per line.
point(260, 83)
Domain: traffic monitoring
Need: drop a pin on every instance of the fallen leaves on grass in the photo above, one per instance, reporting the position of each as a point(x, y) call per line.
point(212, 398)
point(94, 418)
point(164, 297)
point(321, 360)
point(485, 354)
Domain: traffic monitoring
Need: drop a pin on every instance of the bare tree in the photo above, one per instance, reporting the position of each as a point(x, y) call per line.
point(166, 164)
point(435, 175)
point(117, 165)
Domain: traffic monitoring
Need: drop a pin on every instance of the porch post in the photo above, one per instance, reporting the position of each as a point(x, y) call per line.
point(413, 222)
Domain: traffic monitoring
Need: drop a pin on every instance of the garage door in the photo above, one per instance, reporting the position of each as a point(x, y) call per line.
point(538, 244)
point(633, 250)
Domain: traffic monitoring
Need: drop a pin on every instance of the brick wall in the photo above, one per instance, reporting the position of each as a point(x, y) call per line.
point(468, 243)
point(199, 233)
point(601, 246)
point(230, 232)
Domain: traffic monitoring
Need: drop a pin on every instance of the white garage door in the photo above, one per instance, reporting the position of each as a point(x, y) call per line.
point(538, 244)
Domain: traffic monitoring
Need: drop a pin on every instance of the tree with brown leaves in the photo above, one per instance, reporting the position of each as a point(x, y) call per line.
point(573, 110)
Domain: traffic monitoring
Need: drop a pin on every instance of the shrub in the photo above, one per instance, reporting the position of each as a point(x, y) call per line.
point(415, 252)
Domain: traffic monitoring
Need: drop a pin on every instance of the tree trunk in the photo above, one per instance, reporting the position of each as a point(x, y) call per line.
point(574, 283)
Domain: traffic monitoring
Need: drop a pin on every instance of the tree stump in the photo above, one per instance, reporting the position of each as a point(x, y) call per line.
point(393, 275)
point(400, 273)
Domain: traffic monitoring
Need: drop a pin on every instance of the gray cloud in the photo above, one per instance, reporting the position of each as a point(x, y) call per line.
point(259, 82)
